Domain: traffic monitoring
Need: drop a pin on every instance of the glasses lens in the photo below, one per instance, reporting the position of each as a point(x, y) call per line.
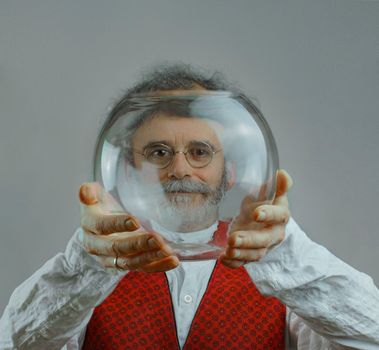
point(159, 155)
point(199, 154)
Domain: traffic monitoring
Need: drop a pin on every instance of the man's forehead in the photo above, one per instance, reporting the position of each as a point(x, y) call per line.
point(178, 129)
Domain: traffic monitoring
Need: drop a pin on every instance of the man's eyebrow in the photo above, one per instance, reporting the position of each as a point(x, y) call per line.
point(209, 143)
point(158, 142)
point(170, 144)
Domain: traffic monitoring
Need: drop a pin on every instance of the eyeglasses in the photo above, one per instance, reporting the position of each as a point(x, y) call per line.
point(198, 154)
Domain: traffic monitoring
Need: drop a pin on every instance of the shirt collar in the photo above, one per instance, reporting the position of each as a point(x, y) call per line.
point(202, 236)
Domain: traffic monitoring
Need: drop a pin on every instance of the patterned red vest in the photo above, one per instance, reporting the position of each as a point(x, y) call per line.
point(139, 314)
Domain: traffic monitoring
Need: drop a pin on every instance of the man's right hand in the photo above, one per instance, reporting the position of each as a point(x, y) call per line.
point(116, 237)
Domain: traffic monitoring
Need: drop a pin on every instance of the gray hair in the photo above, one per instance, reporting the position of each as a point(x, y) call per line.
point(177, 76)
point(163, 77)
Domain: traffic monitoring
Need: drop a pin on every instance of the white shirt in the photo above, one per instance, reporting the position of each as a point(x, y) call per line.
point(330, 305)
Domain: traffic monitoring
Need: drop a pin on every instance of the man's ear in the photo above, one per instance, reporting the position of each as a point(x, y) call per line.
point(231, 174)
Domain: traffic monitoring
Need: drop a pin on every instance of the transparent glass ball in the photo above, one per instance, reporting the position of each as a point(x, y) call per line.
point(187, 164)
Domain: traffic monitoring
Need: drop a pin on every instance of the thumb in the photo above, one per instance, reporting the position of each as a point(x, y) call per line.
point(90, 193)
point(95, 199)
point(283, 183)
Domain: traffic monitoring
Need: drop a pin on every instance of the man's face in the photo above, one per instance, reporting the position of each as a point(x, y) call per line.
point(202, 186)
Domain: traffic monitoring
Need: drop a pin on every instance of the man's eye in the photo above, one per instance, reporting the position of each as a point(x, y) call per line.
point(199, 152)
point(159, 153)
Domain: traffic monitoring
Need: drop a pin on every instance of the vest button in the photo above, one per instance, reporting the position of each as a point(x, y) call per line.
point(188, 299)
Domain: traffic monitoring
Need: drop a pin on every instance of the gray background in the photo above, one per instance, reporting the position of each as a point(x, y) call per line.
point(313, 65)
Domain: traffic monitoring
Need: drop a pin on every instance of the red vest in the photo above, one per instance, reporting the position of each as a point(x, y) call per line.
point(139, 314)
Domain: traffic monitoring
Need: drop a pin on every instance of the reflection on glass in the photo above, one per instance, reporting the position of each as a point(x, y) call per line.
point(184, 164)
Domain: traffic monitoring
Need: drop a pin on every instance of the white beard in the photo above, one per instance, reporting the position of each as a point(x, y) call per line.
point(179, 214)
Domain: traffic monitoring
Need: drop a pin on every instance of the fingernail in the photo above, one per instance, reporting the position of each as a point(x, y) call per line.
point(238, 241)
point(130, 225)
point(261, 216)
point(86, 195)
point(151, 242)
point(161, 254)
point(236, 253)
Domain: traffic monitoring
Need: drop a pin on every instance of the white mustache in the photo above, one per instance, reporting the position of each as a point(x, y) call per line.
point(188, 186)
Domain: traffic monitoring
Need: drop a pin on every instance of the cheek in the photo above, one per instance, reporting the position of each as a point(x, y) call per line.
point(163, 176)
point(211, 176)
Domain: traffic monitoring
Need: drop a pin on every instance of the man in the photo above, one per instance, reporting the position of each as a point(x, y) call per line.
point(98, 294)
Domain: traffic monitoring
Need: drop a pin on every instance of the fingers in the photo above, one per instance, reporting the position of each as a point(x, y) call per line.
point(138, 261)
point(283, 183)
point(233, 264)
point(272, 214)
point(253, 234)
point(147, 262)
point(166, 264)
point(245, 255)
point(90, 193)
point(95, 197)
point(143, 242)
point(256, 239)
point(248, 246)
point(251, 207)
point(97, 207)
point(248, 206)
point(114, 238)
point(123, 244)
point(105, 224)
point(277, 213)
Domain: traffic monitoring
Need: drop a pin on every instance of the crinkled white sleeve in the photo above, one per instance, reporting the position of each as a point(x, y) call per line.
point(330, 305)
point(52, 307)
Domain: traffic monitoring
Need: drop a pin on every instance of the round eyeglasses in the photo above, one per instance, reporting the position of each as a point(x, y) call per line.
point(198, 154)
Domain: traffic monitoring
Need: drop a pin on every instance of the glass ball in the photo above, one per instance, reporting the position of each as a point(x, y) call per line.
point(186, 164)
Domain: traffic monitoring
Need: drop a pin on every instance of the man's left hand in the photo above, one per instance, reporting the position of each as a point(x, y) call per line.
point(258, 229)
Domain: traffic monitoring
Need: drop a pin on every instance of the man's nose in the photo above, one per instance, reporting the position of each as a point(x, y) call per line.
point(179, 167)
